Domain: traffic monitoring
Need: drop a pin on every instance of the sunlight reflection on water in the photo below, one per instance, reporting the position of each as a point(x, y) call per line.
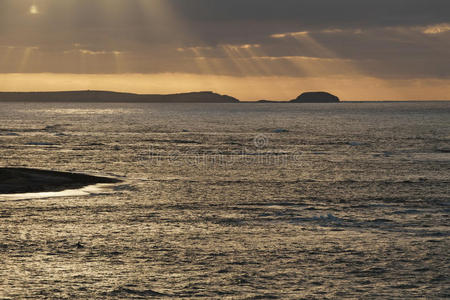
point(101, 188)
point(80, 111)
point(253, 201)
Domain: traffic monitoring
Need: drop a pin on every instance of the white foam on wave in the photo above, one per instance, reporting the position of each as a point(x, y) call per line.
point(96, 189)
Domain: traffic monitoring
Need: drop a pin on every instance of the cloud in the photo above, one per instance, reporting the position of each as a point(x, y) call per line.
point(289, 34)
point(400, 39)
point(437, 29)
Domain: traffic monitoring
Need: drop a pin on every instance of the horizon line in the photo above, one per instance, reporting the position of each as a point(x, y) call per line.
point(205, 91)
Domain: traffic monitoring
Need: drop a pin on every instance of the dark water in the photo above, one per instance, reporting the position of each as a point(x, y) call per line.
point(239, 201)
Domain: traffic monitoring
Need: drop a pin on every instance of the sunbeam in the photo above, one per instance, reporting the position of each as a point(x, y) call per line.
point(27, 56)
point(324, 60)
point(7, 53)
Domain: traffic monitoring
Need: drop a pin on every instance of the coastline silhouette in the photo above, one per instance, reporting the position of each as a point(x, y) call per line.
point(117, 97)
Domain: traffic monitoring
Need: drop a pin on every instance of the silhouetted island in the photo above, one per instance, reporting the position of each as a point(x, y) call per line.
point(270, 101)
point(22, 180)
point(106, 96)
point(117, 97)
point(316, 97)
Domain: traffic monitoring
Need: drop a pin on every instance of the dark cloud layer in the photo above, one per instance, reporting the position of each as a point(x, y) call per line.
point(212, 17)
point(305, 12)
point(317, 13)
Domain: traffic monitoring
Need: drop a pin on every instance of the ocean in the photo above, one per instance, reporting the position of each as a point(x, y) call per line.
point(237, 201)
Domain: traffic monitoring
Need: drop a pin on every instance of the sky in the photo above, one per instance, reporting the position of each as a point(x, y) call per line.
point(249, 49)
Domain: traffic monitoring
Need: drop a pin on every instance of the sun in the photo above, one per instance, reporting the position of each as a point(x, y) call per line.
point(34, 10)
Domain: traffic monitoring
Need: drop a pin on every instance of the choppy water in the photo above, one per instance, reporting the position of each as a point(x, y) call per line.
point(245, 201)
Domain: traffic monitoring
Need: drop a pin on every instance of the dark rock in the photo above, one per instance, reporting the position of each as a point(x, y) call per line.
point(22, 180)
point(280, 130)
point(316, 97)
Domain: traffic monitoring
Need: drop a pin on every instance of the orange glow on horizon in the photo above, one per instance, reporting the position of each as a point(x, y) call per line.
point(243, 88)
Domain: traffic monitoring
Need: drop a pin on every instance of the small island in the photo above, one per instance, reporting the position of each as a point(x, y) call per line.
point(316, 97)
point(23, 180)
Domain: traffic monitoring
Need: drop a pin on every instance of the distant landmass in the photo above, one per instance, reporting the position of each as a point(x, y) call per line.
point(270, 101)
point(106, 96)
point(309, 97)
point(316, 97)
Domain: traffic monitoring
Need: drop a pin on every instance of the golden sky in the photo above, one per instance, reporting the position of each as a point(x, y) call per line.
point(253, 49)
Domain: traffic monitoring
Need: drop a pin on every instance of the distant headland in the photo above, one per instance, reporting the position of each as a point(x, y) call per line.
point(117, 97)
point(106, 96)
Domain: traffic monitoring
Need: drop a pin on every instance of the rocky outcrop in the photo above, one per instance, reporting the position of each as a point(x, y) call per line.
point(22, 180)
point(316, 97)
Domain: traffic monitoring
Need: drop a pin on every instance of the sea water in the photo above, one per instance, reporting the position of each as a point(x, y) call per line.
point(239, 201)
